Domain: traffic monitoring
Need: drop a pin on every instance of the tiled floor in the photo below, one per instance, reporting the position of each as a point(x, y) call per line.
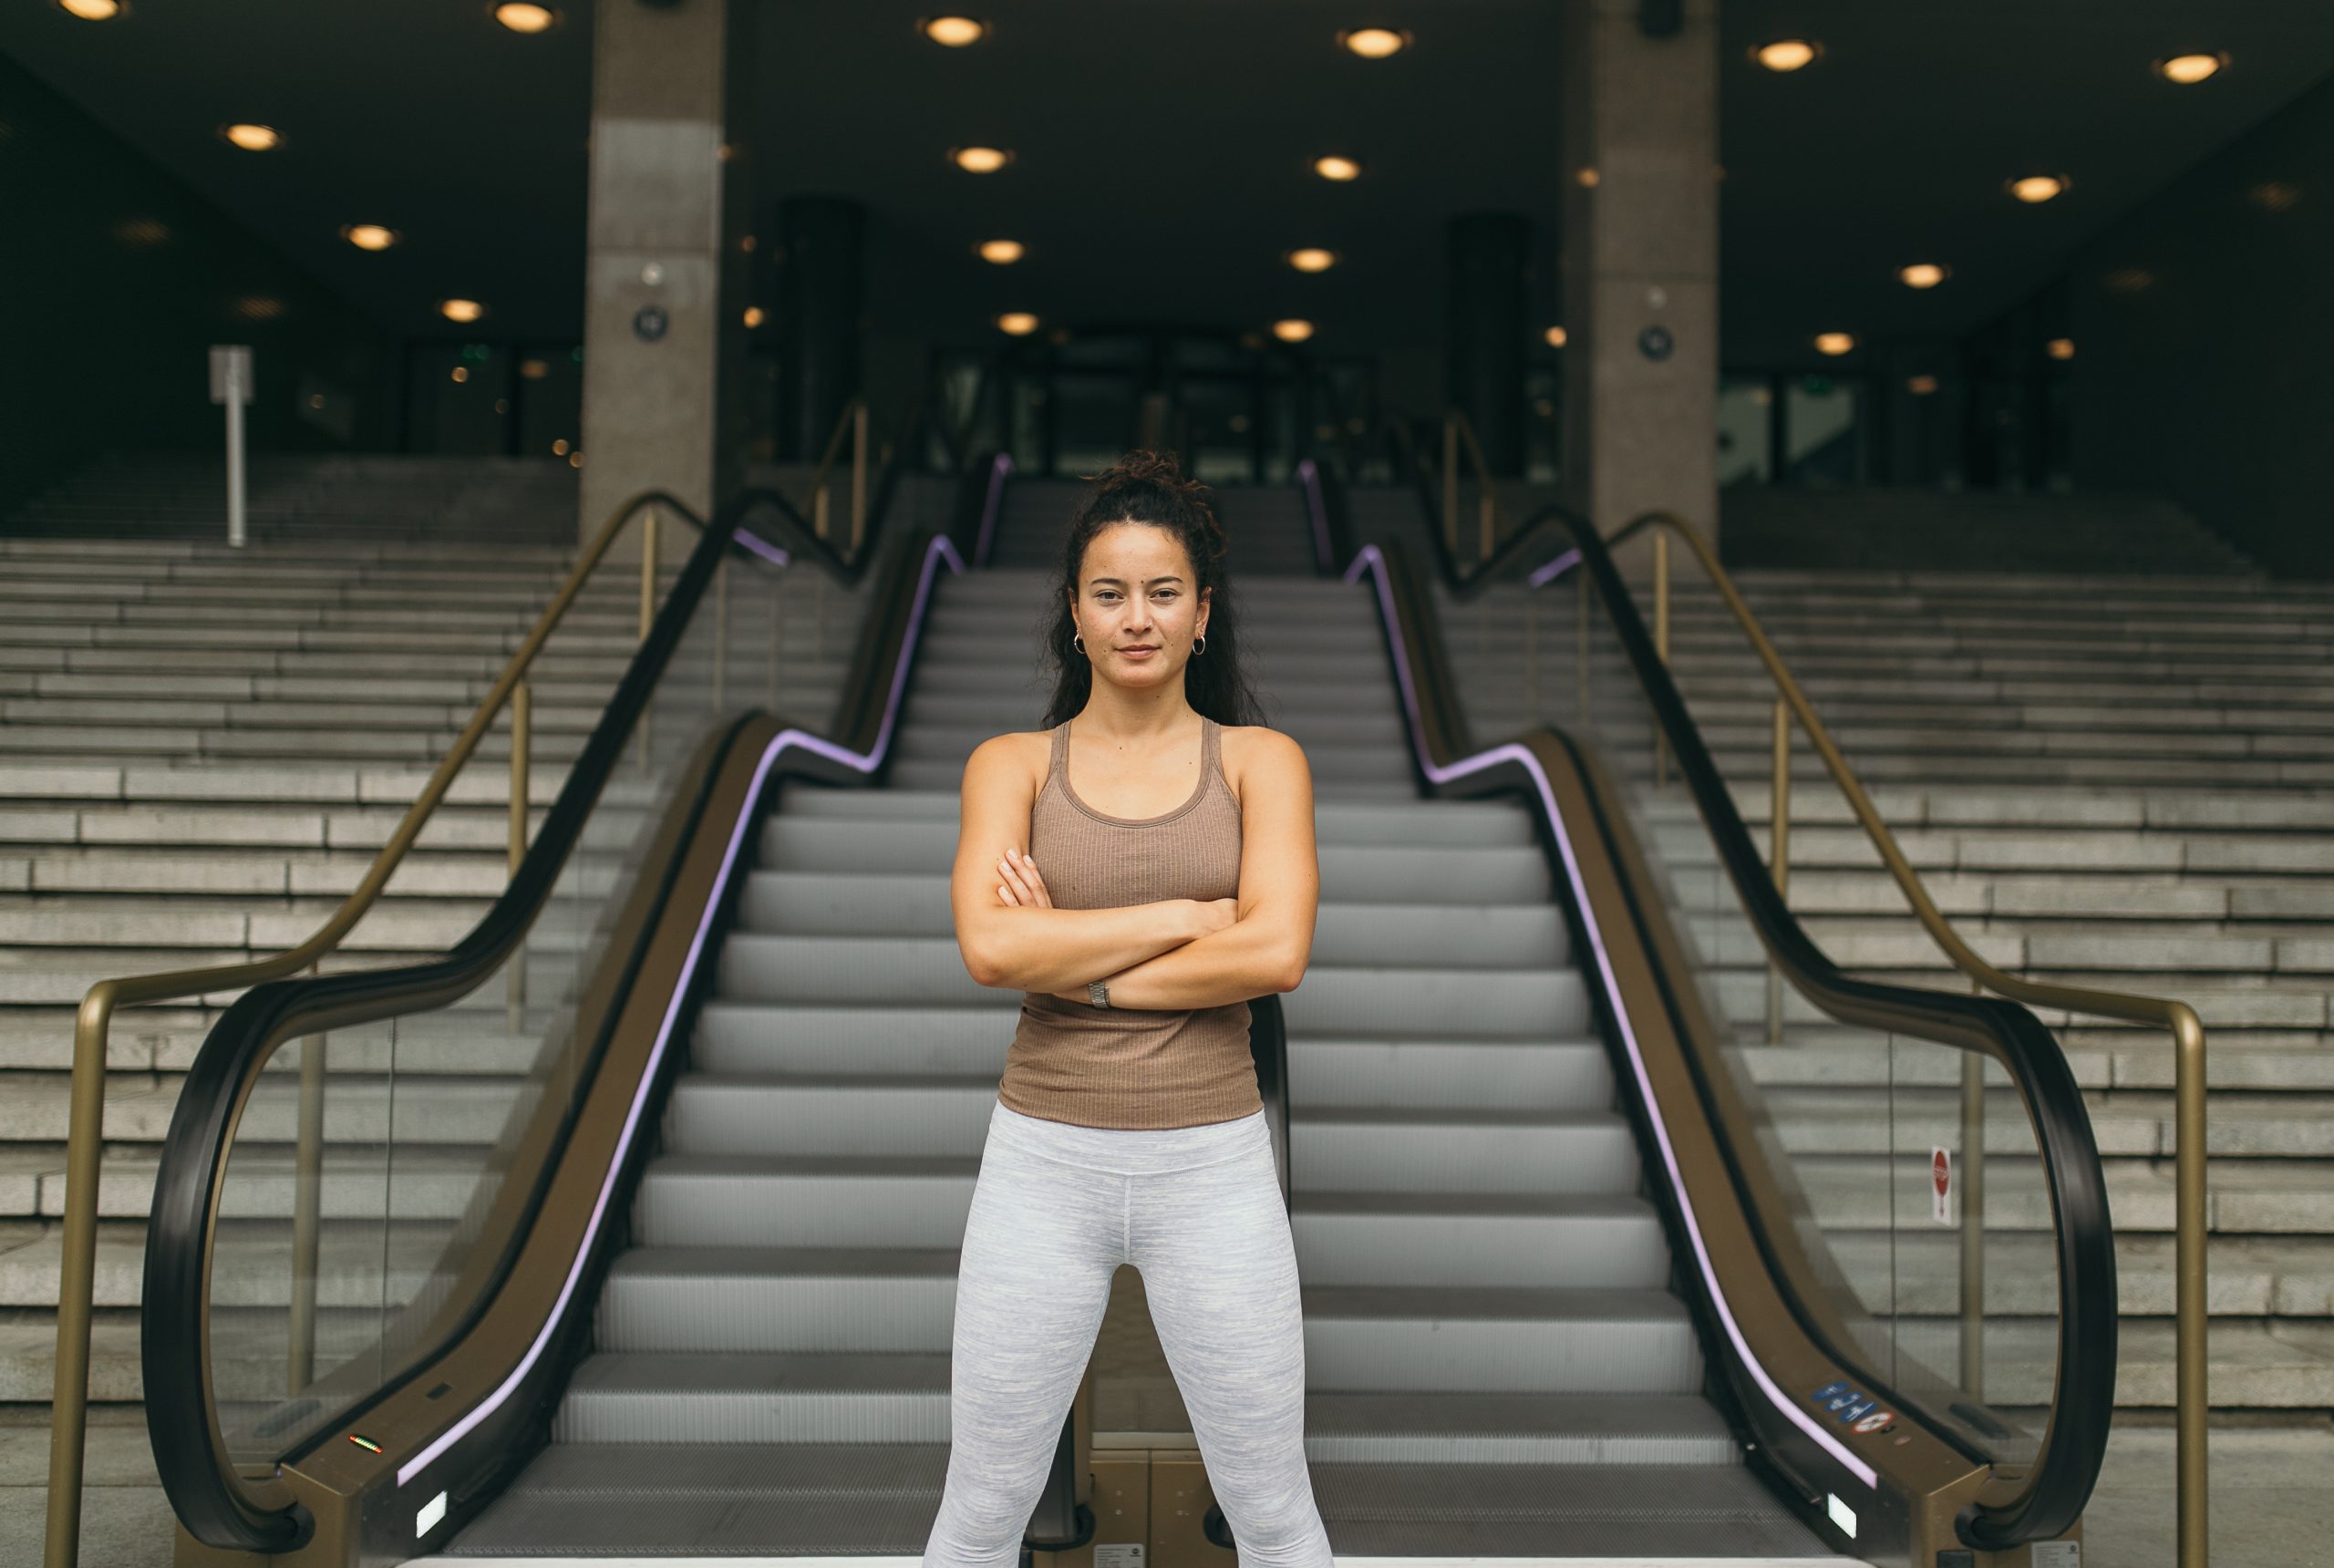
point(2272, 1504)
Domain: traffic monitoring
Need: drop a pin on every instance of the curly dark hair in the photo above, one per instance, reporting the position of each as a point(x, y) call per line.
point(1149, 487)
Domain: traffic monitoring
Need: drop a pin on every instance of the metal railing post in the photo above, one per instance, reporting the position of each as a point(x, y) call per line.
point(1973, 1225)
point(1451, 483)
point(522, 745)
point(1778, 857)
point(858, 475)
point(307, 1212)
point(2192, 1303)
point(1661, 647)
point(76, 1282)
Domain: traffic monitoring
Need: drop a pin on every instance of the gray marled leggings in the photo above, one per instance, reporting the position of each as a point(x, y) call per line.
point(1198, 1210)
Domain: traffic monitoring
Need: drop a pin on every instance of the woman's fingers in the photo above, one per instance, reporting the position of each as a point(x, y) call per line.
point(1037, 882)
point(1017, 885)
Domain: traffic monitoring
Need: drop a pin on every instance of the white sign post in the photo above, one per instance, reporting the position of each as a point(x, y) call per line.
point(230, 384)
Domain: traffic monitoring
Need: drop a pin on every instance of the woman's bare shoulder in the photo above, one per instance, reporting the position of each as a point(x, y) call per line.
point(1016, 751)
point(1255, 751)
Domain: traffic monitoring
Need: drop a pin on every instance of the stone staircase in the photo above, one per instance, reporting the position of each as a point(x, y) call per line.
point(202, 751)
point(2116, 781)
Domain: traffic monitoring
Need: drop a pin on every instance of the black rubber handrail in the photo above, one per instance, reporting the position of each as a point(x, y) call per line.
point(2059, 1482)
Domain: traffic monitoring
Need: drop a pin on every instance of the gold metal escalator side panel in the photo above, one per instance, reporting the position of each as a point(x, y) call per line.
point(351, 1490)
point(1925, 1481)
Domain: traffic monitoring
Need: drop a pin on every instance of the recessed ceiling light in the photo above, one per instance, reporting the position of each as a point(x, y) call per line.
point(954, 32)
point(1921, 386)
point(2060, 348)
point(252, 138)
point(91, 10)
point(754, 316)
point(1017, 324)
point(1003, 253)
point(1834, 343)
point(1586, 178)
point(559, 447)
point(460, 309)
point(1292, 330)
point(1334, 167)
point(1923, 275)
point(1375, 43)
point(368, 236)
point(1786, 54)
point(1556, 336)
point(2036, 188)
point(1312, 259)
point(535, 370)
point(2189, 69)
point(522, 17)
point(461, 373)
point(980, 159)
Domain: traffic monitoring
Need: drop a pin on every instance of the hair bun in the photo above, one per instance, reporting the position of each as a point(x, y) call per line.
point(1146, 465)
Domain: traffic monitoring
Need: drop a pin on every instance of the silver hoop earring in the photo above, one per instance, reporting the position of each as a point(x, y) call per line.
point(1199, 643)
point(1079, 642)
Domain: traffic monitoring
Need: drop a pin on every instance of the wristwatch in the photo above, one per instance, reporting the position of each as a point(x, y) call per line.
point(1098, 994)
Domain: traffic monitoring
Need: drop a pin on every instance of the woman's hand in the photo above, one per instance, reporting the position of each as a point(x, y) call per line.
point(1022, 888)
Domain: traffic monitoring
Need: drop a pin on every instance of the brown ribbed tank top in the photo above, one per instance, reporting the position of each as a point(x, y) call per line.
point(1132, 1066)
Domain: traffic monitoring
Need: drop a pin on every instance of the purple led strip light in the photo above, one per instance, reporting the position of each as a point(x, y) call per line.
point(1375, 562)
point(796, 740)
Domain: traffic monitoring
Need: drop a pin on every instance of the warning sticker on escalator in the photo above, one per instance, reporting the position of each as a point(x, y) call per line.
point(1119, 1554)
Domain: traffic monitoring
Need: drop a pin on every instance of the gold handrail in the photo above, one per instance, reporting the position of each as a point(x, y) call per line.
point(851, 422)
point(76, 1303)
point(2187, 1030)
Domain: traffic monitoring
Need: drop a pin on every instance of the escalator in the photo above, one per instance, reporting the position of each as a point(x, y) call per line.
point(1568, 1289)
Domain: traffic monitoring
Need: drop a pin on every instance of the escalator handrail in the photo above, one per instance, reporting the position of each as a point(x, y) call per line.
point(200, 1481)
point(2057, 1484)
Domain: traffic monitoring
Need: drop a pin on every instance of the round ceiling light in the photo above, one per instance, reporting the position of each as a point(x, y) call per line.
point(754, 316)
point(2036, 188)
point(460, 309)
point(369, 236)
point(1292, 330)
point(535, 370)
point(252, 138)
point(1017, 324)
point(1834, 344)
point(954, 32)
point(1334, 167)
point(1001, 252)
point(2060, 348)
point(91, 10)
point(1374, 43)
point(1787, 54)
point(522, 17)
point(980, 159)
point(1556, 336)
point(1921, 386)
point(1923, 274)
point(1312, 259)
point(2187, 70)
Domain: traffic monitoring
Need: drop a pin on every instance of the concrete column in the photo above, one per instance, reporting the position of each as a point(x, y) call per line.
point(1487, 327)
point(1639, 264)
point(664, 332)
point(819, 321)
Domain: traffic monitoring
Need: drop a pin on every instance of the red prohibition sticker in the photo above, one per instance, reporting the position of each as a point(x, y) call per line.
point(1878, 1421)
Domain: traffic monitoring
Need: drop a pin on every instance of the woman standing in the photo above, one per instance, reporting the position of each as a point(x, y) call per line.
point(1139, 867)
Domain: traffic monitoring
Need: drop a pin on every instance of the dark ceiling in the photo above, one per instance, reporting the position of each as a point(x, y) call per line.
point(1161, 148)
